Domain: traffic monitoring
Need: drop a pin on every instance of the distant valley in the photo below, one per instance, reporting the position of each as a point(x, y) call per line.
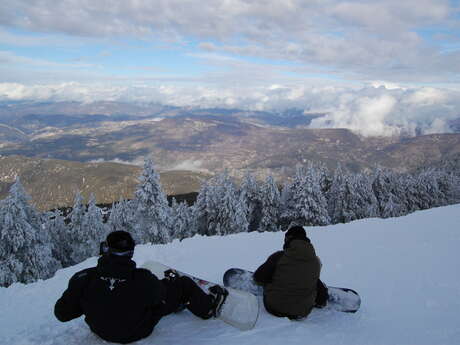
point(53, 183)
point(79, 141)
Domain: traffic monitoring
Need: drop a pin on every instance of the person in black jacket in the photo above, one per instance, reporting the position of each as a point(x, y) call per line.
point(122, 303)
point(290, 278)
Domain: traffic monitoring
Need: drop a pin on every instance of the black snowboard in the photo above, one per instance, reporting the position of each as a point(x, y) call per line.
point(340, 299)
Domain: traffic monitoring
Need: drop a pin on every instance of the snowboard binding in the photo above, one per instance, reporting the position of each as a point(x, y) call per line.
point(219, 295)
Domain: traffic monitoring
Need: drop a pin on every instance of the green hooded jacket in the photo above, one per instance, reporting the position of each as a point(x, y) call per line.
point(292, 289)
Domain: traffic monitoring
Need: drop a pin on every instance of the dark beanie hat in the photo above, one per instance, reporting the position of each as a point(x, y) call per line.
point(120, 241)
point(296, 232)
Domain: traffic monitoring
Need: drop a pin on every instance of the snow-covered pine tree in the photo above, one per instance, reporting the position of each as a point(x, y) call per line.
point(121, 217)
point(428, 188)
point(200, 210)
point(363, 203)
point(351, 197)
point(229, 214)
point(409, 183)
point(449, 187)
point(387, 190)
point(286, 210)
point(436, 188)
point(152, 212)
point(219, 209)
point(182, 221)
point(25, 247)
point(54, 222)
point(308, 205)
point(314, 209)
point(94, 221)
point(338, 208)
point(325, 178)
point(271, 206)
point(83, 237)
point(250, 195)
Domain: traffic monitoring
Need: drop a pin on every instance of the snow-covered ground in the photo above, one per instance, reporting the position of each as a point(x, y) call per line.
point(406, 270)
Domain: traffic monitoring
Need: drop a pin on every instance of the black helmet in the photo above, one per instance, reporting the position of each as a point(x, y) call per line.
point(119, 243)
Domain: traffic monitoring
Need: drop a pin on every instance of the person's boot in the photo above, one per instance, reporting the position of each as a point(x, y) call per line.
point(219, 295)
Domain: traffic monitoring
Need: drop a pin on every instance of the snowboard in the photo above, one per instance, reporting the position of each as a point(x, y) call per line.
point(340, 299)
point(240, 309)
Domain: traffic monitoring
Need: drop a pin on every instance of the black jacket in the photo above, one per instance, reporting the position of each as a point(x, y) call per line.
point(121, 303)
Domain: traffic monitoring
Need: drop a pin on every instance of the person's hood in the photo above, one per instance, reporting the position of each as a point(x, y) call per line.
point(300, 250)
point(115, 267)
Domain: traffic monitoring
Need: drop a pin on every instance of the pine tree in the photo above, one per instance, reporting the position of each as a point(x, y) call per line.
point(229, 214)
point(389, 194)
point(54, 222)
point(83, 236)
point(152, 211)
point(448, 186)
point(250, 196)
point(363, 202)
point(182, 221)
point(307, 205)
point(337, 197)
point(411, 192)
point(325, 178)
point(286, 210)
point(121, 218)
point(25, 248)
point(271, 205)
point(94, 222)
point(200, 210)
point(219, 209)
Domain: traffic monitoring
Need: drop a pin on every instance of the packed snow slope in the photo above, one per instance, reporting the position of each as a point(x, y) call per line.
point(406, 270)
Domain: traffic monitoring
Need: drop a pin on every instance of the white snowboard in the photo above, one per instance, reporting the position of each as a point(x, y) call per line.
point(240, 309)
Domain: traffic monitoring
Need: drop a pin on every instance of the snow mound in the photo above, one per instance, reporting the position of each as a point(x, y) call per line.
point(405, 270)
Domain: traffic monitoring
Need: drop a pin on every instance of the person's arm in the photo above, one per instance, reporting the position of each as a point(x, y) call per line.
point(157, 290)
point(68, 306)
point(263, 275)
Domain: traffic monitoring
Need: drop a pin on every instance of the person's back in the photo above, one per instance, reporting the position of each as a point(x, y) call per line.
point(121, 303)
point(291, 277)
point(292, 290)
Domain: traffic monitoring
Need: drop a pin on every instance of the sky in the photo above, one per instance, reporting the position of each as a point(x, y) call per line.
point(260, 54)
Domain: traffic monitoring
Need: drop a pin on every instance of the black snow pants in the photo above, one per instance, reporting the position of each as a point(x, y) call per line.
point(321, 294)
point(184, 292)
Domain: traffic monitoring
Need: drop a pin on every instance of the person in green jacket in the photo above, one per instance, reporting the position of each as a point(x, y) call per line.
point(291, 278)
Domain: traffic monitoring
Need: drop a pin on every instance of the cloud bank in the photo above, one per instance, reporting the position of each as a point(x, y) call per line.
point(370, 111)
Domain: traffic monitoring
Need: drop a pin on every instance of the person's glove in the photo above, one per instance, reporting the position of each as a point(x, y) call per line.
point(171, 275)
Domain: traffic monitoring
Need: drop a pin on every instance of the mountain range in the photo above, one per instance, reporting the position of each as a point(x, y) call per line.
point(75, 145)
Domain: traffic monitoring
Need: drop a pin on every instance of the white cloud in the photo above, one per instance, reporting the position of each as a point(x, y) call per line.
point(370, 111)
point(427, 96)
point(383, 112)
point(363, 114)
point(139, 162)
point(190, 165)
point(366, 39)
point(386, 85)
